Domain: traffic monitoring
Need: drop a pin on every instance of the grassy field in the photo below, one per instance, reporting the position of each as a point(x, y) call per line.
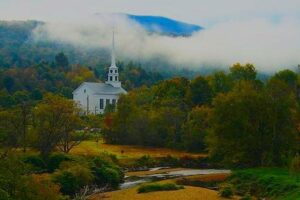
point(126, 151)
point(273, 183)
point(188, 193)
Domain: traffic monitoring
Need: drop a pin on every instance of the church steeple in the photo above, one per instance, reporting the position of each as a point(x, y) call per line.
point(113, 74)
point(113, 56)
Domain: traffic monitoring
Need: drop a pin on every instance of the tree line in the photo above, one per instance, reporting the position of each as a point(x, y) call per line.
point(236, 118)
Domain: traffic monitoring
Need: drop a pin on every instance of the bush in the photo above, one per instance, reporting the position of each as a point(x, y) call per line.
point(107, 176)
point(159, 187)
point(246, 197)
point(67, 181)
point(55, 160)
point(105, 159)
point(226, 191)
point(106, 172)
point(265, 182)
point(36, 161)
point(190, 162)
point(169, 161)
point(43, 188)
point(146, 160)
point(15, 184)
point(73, 179)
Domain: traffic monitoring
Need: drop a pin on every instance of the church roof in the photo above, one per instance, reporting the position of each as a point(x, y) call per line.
point(102, 88)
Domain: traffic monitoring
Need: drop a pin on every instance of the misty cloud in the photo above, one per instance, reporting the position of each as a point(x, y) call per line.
point(269, 45)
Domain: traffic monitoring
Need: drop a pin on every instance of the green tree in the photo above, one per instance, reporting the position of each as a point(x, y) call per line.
point(287, 76)
point(253, 127)
point(196, 128)
point(62, 61)
point(243, 72)
point(55, 118)
point(220, 82)
point(290, 78)
point(199, 92)
point(14, 126)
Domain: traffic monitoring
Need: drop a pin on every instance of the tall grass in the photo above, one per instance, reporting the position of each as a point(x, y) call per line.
point(272, 183)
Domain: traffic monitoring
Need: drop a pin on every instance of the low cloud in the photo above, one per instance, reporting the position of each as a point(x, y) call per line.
point(269, 45)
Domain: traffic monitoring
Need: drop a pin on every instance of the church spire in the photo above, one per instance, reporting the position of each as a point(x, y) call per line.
point(113, 56)
point(113, 72)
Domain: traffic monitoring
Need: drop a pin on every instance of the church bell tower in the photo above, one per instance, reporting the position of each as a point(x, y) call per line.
point(113, 73)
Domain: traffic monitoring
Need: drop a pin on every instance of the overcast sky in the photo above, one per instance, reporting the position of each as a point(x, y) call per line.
point(263, 32)
point(202, 12)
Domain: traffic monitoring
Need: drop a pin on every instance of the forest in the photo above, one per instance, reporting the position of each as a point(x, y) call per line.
point(233, 117)
point(236, 118)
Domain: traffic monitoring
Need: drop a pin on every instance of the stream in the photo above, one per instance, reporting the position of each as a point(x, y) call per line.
point(132, 181)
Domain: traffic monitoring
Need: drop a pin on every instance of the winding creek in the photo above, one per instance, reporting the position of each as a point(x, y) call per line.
point(134, 180)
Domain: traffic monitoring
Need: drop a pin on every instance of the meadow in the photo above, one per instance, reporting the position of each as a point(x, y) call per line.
point(91, 148)
point(186, 193)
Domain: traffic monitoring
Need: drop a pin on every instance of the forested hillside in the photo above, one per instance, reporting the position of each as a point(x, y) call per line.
point(19, 48)
point(60, 77)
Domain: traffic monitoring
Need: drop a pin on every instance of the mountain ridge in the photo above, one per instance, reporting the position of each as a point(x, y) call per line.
point(164, 25)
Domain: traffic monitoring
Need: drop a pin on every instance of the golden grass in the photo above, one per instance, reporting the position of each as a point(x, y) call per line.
point(208, 177)
point(188, 193)
point(127, 151)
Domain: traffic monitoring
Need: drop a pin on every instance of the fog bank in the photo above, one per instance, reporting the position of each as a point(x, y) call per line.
point(267, 44)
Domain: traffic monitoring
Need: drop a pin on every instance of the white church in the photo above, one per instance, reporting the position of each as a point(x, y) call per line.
point(94, 97)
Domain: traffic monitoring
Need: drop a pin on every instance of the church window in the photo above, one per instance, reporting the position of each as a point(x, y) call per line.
point(111, 71)
point(84, 90)
point(111, 78)
point(114, 102)
point(116, 78)
point(116, 71)
point(107, 101)
point(101, 104)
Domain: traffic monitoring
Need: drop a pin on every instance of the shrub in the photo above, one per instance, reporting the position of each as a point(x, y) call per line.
point(103, 160)
point(264, 182)
point(146, 160)
point(246, 197)
point(106, 172)
point(43, 188)
point(169, 161)
point(36, 161)
point(73, 179)
point(15, 184)
point(226, 191)
point(190, 162)
point(159, 187)
point(67, 181)
point(55, 160)
point(107, 176)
